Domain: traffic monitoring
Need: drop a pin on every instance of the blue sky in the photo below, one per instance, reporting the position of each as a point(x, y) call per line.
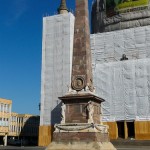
point(21, 49)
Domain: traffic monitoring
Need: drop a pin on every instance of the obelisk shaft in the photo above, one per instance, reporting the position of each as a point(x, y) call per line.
point(81, 63)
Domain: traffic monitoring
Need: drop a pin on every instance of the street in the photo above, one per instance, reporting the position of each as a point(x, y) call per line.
point(133, 147)
point(42, 148)
point(21, 148)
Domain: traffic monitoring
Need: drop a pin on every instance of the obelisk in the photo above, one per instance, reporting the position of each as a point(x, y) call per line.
point(80, 128)
point(81, 91)
point(81, 63)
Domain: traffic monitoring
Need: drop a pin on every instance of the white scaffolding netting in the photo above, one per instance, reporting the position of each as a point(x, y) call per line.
point(125, 86)
point(57, 48)
point(109, 46)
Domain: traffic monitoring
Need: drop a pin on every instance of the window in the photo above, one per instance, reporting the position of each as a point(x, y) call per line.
point(0, 121)
point(3, 122)
point(5, 107)
point(1, 107)
point(7, 122)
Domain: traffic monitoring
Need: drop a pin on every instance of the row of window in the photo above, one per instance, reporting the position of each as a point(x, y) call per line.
point(5, 107)
point(19, 129)
point(24, 120)
point(16, 119)
point(13, 128)
point(4, 122)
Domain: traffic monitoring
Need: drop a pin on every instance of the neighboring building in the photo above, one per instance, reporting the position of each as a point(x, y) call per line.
point(24, 127)
point(5, 114)
point(17, 126)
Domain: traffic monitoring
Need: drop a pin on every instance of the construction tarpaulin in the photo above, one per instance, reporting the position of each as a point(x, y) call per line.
point(125, 86)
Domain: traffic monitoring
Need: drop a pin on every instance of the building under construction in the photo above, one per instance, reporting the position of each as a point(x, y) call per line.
point(120, 46)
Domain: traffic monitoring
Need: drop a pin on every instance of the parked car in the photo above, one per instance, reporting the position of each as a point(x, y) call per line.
point(15, 142)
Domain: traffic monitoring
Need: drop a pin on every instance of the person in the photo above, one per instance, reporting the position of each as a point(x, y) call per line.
point(124, 57)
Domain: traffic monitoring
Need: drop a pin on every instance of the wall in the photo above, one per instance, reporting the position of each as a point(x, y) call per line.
point(142, 130)
point(5, 114)
point(113, 130)
point(109, 46)
point(57, 48)
point(125, 86)
point(45, 135)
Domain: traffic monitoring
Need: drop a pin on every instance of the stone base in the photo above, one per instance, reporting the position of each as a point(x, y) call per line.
point(80, 137)
point(77, 105)
point(81, 146)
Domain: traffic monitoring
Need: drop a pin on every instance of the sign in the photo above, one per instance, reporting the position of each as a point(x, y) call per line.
point(114, 7)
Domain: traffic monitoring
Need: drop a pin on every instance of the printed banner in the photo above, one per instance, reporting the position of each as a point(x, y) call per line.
point(114, 7)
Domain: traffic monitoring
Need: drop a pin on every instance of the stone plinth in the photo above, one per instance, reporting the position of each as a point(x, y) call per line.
point(80, 146)
point(82, 129)
point(80, 137)
point(77, 104)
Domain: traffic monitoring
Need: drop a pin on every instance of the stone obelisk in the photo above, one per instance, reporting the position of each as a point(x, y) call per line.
point(80, 128)
point(81, 63)
point(81, 91)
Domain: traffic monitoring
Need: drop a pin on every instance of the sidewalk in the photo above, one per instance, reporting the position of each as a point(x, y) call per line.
point(130, 142)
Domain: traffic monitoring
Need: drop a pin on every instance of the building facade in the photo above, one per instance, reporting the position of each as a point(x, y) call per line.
point(125, 85)
point(24, 127)
point(17, 126)
point(5, 115)
point(13, 128)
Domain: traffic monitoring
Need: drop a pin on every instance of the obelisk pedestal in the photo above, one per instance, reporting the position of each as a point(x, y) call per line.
point(81, 127)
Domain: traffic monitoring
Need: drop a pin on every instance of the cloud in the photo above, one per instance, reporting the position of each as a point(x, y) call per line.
point(21, 7)
point(18, 8)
